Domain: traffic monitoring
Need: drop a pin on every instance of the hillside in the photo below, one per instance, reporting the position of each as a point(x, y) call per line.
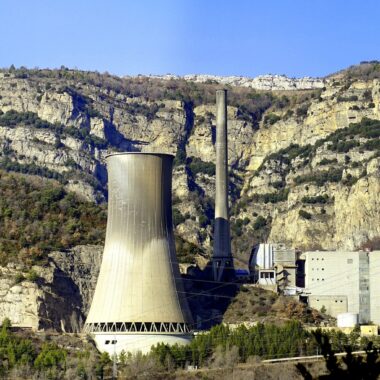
point(299, 173)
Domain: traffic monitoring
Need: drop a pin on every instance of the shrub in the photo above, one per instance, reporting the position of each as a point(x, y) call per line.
point(278, 184)
point(352, 98)
point(317, 199)
point(367, 95)
point(178, 218)
point(50, 356)
point(350, 180)
point(32, 276)
point(198, 166)
point(321, 177)
point(280, 196)
point(343, 146)
point(186, 250)
point(60, 219)
point(304, 214)
point(271, 118)
point(302, 111)
point(372, 144)
point(19, 278)
point(260, 222)
point(326, 161)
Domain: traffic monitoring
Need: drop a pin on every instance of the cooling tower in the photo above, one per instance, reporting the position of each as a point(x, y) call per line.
point(222, 262)
point(139, 299)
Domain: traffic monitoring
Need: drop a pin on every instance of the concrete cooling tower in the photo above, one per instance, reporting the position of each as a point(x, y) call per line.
point(139, 299)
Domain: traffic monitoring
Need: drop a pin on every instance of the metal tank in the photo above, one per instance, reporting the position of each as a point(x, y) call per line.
point(222, 262)
point(139, 298)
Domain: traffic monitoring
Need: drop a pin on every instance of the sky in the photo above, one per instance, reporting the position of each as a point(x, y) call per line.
point(221, 37)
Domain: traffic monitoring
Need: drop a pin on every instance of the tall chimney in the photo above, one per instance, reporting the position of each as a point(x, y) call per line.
point(222, 261)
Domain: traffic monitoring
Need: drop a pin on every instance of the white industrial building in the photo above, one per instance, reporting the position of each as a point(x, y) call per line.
point(274, 266)
point(344, 282)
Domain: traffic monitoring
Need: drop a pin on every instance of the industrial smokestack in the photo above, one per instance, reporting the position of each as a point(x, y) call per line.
point(139, 299)
point(222, 262)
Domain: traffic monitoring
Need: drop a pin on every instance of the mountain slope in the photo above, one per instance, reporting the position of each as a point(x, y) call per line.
point(61, 124)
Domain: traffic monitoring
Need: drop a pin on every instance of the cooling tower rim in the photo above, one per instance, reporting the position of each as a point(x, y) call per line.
point(140, 154)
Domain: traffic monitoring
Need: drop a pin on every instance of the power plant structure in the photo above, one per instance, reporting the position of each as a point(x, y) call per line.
point(222, 262)
point(139, 299)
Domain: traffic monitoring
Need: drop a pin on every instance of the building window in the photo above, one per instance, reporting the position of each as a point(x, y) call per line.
point(350, 261)
point(107, 342)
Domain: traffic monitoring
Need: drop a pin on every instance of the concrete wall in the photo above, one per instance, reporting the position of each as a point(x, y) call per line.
point(374, 272)
point(334, 305)
point(344, 274)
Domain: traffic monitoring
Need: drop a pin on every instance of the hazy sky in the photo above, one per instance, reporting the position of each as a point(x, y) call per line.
point(222, 37)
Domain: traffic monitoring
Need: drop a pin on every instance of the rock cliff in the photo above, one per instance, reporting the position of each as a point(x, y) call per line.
point(62, 123)
point(54, 296)
point(261, 82)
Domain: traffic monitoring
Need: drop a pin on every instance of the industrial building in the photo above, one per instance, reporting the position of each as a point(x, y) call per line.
point(273, 266)
point(139, 299)
point(344, 282)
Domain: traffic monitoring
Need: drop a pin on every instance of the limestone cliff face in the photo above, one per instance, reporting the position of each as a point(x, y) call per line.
point(59, 295)
point(261, 82)
point(323, 116)
point(86, 121)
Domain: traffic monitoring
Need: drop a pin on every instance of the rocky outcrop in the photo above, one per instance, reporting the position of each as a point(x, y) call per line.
point(55, 296)
point(261, 82)
point(96, 120)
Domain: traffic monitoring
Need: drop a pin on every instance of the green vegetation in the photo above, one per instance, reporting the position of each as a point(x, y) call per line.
point(259, 223)
point(302, 110)
point(321, 199)
point(280, 196)
point(352, 98)
point(343, 146)
point(186, 251)
point(288, 154)
point(365, 71)
point(28, 356)
point(178, 218)
point(326, 161)
point(262, 341)
point(304, 214)
point(13, 118)
point(340, 141)
point(41, 216)
point(320, 177)
point(196, 165)
point(271, 118)
point(372, 144)
point(14, 166)
point(149, 111)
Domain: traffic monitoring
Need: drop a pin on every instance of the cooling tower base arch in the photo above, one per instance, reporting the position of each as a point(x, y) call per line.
point(117, 342)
